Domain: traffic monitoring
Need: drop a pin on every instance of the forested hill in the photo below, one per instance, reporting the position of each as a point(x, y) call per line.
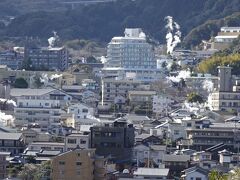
point(102, 21)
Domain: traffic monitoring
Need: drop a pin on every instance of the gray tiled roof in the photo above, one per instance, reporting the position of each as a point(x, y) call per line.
point(15, 92)
point(10, 136)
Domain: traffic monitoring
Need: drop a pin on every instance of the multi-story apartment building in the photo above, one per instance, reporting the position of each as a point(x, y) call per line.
point(78, 164)
point(113, 89)
point(53, 58)
point(39, 106)
point(11, 59)
point(132, 54)
point(11, 142)
point(227, 133)
point(115, 140)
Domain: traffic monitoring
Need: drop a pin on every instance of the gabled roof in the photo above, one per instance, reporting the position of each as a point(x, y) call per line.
point(176, 158)
point(196, 168)
point(158, 147)
point(10, 136)
point(16, 92)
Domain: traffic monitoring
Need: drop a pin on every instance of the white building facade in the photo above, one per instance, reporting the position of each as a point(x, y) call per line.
point(133, 54)
point(38, 106)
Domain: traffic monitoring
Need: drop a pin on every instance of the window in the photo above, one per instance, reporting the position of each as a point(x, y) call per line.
point(61, 162)
point(82, 142)
point(198, 178)
point(189, 124)
point(85, 110)
point(78, 163)
point(72, 141)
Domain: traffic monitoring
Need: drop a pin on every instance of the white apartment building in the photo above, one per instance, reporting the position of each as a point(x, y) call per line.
point(75, 140)
point(38, 106)
point(132, 54)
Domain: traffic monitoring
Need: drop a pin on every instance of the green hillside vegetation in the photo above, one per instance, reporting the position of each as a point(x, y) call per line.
point(227, 57)
point(210, 65)
point(209, 29)
point(103, 21)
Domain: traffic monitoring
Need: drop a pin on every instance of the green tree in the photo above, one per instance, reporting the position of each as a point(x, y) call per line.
point(27, 64)
point(44, 171)
point(194, 97)
point(216, 175)
point(37, 82)
point(20, 83)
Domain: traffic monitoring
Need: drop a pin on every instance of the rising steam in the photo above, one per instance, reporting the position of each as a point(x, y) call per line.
point(173, 36)
point(44, 78)
point(52, 40)
point(208, 85)
point(8, 101)
point(181, 75)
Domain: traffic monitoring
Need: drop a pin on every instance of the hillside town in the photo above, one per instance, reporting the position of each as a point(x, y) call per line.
point(140, 111)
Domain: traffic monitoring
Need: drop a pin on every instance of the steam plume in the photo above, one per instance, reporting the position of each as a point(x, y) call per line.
point(52, 40)
point(5, 117)
point(8, 101)
point(173, 36)
point(55, 76)
point(208, 85)
point(181, 75)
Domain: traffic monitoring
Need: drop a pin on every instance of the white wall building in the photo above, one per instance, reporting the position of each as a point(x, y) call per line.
point(132, 53)
point(76, 139)
point(155, 153)
point(38, 106)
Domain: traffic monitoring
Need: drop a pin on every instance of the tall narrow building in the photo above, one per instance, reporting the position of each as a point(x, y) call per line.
point(225, 78)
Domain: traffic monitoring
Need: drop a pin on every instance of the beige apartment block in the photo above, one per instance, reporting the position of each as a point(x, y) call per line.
point(78, 164)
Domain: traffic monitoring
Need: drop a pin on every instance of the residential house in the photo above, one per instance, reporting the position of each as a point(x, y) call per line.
point(176, 163)
point(151, 173)
point(152, 154)
point(195, 173)
point(12, 142)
